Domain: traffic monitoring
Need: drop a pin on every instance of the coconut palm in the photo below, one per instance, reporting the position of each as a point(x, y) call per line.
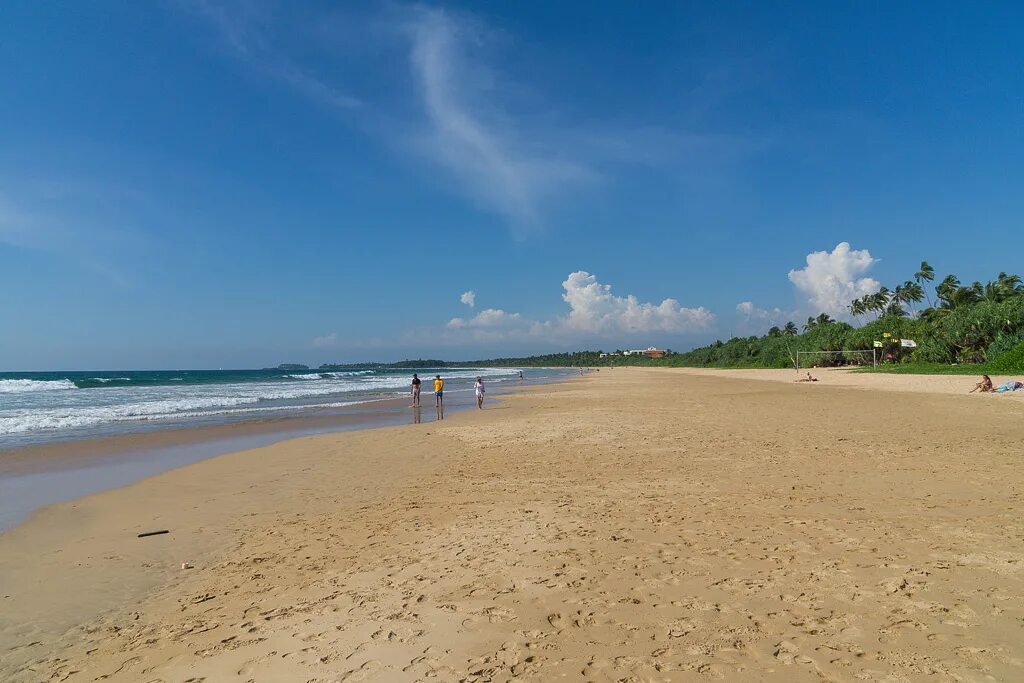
point(856, 307)
point(823, 319)
point(946, 290)
point(895, 310)
point(879, 300)
point(809, 325)
point(913, 292)
point(925, 274)
point(1005, 287)
point(790, 330)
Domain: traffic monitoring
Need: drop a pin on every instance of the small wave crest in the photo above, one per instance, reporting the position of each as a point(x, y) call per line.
point(330, 375)
point(21, 386)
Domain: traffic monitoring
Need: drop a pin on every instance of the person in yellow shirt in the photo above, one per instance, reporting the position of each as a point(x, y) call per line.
point(438, 390)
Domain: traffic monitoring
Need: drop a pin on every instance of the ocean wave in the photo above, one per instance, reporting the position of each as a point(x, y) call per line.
point(330, 375)
point(37, 407)
point(21, 386)
point(53, 420)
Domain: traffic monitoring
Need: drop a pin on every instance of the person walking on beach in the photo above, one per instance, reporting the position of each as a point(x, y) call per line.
point(479, 388)
point(438, 391)
point(415, 390)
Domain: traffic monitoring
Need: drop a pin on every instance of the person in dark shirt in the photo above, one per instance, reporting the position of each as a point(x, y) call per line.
point(415, 390)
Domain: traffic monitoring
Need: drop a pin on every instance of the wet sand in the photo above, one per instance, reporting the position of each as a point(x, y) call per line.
point(34, 476)
point(635, 525)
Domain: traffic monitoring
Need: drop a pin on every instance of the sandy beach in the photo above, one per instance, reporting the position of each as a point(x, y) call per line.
point(631, 525)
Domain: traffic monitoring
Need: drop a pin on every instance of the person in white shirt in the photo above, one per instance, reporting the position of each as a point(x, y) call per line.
point(479, 388)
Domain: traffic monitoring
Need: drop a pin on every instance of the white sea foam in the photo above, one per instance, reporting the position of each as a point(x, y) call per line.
point(330, 375)
point(37, 407)
point(56, 420)
point(20, 386)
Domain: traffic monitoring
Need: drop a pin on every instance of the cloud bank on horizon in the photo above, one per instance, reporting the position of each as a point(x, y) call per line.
point(828, 281)
point(594, 311)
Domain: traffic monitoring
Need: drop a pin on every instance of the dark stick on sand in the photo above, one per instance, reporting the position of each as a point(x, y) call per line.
point(153, 533)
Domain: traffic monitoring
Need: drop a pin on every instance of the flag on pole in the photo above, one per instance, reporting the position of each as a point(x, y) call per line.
point(908, 343)
point(878, 344)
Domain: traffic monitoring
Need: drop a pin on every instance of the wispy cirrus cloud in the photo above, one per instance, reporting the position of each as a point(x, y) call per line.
point(247, 29)
point(496, 163)
point(326, 341)
point(62, 219)
point(502, 144)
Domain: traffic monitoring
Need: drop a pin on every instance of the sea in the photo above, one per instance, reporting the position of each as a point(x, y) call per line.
point(43, 407)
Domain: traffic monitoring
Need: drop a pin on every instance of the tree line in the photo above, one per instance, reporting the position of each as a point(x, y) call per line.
point(949, 323)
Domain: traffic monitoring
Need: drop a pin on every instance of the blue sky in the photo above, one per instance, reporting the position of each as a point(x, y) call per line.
point(231, 184)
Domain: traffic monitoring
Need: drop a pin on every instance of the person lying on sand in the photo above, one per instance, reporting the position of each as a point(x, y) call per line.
point(984, 386)
point(808, 378)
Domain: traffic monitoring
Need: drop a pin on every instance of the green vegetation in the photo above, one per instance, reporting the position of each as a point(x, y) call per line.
point(968, 329)
point(961, 330)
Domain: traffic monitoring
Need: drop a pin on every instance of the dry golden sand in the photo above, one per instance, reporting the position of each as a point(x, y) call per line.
point(638, 525)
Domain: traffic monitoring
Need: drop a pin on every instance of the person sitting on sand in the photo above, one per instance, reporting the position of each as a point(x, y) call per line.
point(808, 378)
point(984, 386)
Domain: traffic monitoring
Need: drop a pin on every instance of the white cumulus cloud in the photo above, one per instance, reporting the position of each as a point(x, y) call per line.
point(491, 317)
point(748, 310)
point(468, 298)
point(594, 311)
point(326, 341)
point(594, 308)
point(830, 280)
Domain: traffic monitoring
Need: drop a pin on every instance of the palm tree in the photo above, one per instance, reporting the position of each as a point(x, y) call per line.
point(878, 301)
point(856, 307)
point(895, 310)
point(1005, 287)
point(1012, 284)
point(790, 330)
point(925, 274)
point(809, 325)
point(913, 292)
point(898, 295)
point(946, 290)
point(823, 319)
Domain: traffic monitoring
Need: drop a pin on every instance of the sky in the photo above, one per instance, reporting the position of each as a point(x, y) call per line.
point(203, 184)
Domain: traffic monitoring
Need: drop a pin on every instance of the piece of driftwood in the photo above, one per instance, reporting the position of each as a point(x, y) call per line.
point(153, 533)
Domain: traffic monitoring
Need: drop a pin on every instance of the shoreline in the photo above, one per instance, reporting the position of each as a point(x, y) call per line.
point(635, 524)
point(34, 476)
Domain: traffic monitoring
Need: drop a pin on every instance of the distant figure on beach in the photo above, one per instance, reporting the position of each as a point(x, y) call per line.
point(520, 374)
point(438, 390)
point(479, 389)
point(415, 390)
point(808, 378)
point(984, 386)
